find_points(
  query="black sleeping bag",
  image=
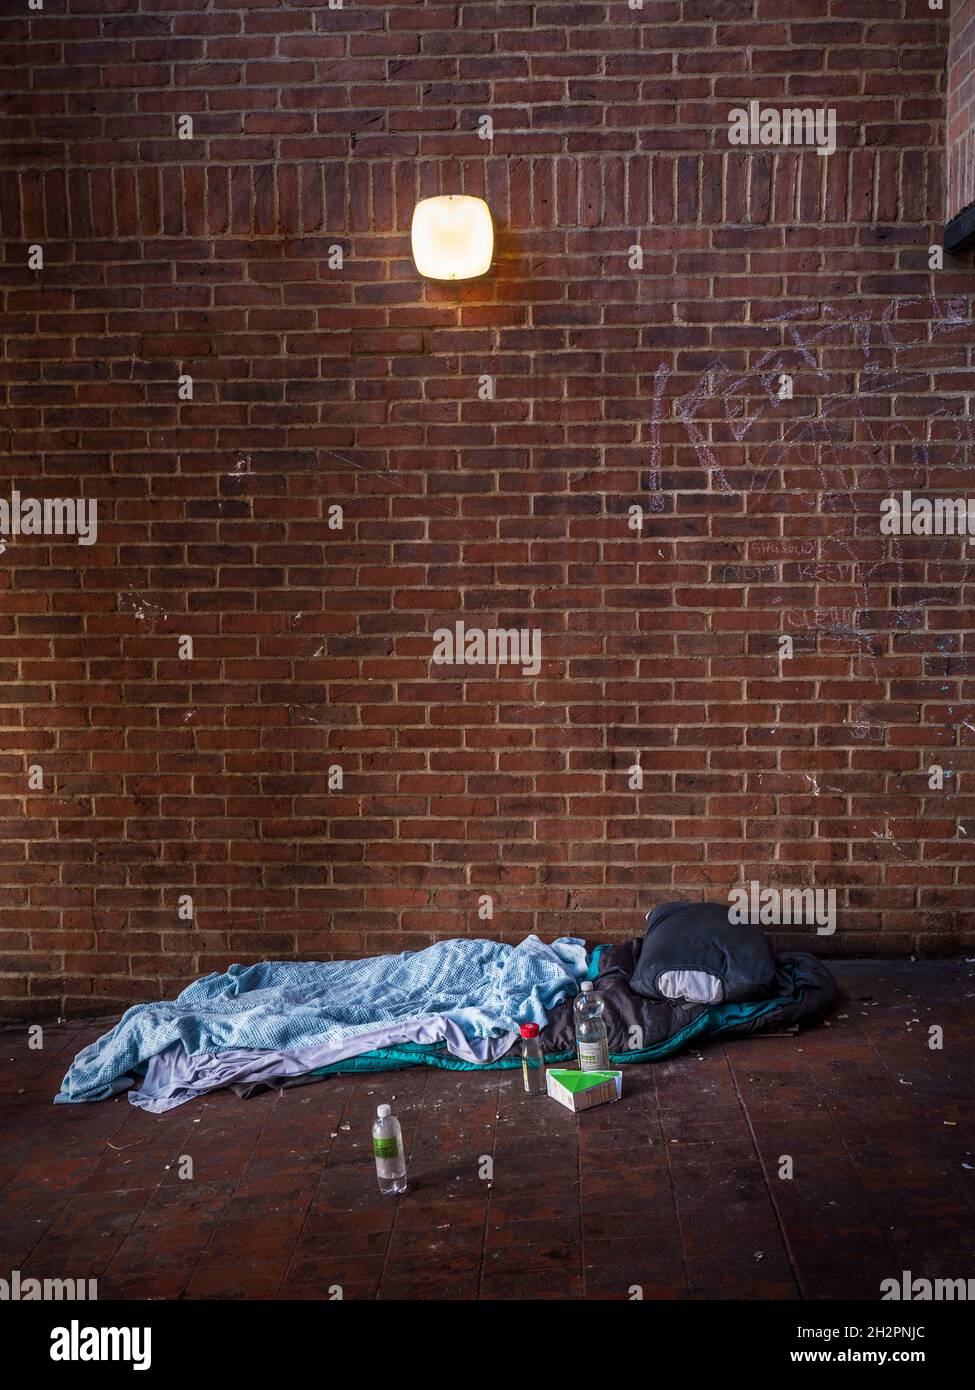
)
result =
(761, 992)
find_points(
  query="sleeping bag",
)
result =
(791, 991)
(457, 1005)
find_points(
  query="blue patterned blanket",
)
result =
(486, 987)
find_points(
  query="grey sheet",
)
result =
(174, 1076)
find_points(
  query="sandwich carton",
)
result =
(581, 1090)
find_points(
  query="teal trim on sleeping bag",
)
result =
(423, 1055)
(714, 1022)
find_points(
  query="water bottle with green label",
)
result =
(387, 1148)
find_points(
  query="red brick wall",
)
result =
(961, 107)
(358, 387)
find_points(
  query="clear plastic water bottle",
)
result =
(592, 1040)
(532, 1060)
(387, 1148)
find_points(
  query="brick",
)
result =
(614, 387)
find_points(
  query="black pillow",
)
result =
(693, 953)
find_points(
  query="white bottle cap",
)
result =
(586, 986)
(383, 1110)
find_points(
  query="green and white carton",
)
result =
(581, 1090)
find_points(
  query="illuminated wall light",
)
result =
(452, 237)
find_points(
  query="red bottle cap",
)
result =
(529, 1030)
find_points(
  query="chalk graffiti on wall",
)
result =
(840, 426)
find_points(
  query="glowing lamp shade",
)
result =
(452, 237)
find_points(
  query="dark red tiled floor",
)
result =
(675, 1189)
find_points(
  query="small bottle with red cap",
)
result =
(532, 1060)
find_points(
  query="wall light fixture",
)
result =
(452, 237)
